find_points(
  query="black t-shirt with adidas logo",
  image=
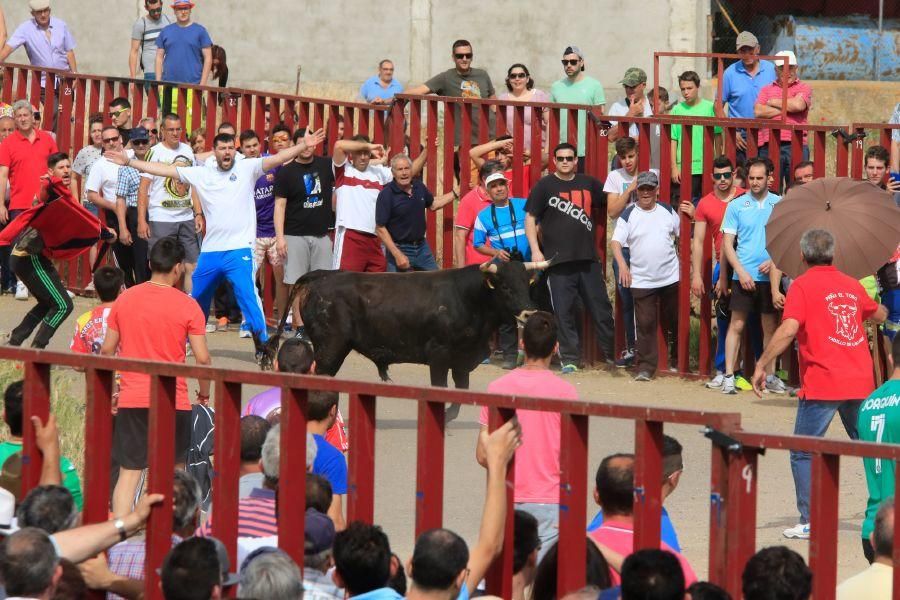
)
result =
(565, 212)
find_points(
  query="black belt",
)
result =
(417, 242)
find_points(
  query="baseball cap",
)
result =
(634, 76)
(182, 4)
(792, 59)
(494, 177)
(745, 39)
(228, 579)
(647, 179)
(38, 4)
(7, 512)
(318, 531)
(573, 50)
(139, 133)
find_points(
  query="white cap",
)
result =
(7, 512)
(36, 5)
(495, 177)
(792, 60)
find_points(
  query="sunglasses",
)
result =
(726, 175)
(116, 113)
(139, 142)
(462, 55)
(570, 61)
(565, 158)
(518, 75)
(153, 131)
(110, 140)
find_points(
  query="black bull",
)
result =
(443, 319)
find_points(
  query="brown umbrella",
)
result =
(863, 219)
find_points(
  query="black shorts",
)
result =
(129, 447)
(757, 301)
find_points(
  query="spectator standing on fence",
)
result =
(381, 88)
(692, 106)
(634, 104)
(708, 217)
(537, 486)
(152, 321)
(183, 52)
(755, 282)
(650, 230)
(47, 40)
(127, 186)
(358, 179)
(879, 421)
(563, 203)
(876, 582)
(23, 161)
(520, 88)
(769, 106)
(167, 207)
(144, 32)
(825, 311)
(120, 116)
(303, 215)
(477, 199)
(400, 217)
(462, 81)
(576, 88)
(742, 83)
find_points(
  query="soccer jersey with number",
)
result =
(879, 421)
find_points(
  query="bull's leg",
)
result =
(438, 375)
(461, 378)
(330, 356)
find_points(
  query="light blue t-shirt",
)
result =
(503, 233)
(586, 91)
(183, 61)
(746, 218)
(371, 89)
(739, 89)
(666, 529)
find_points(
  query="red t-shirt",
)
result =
(711, 210)
(27, 162)
(469, 207)
(524, 180)
(90, 331)
(153, 322)
(835, 363)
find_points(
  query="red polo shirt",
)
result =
(835, 362)
(27, 162)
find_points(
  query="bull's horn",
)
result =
(489, 267)
(536, 266)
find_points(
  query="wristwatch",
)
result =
(120, 527)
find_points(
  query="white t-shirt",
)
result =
(103, 177)
(355, 193)
(211, 160)
(618, 181)
(650, 235)
(620, 109)
(228, 203)
(170, 200)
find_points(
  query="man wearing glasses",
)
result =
(562, 203)
(143, 40)
(576, 88)
(120, 115)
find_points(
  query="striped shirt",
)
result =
(355, 194)
(128, 559)
(256, 516)
(127, 185)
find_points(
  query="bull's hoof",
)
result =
(451, 413)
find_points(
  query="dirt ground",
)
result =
(688, 506)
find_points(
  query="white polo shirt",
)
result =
(650, 235)
(103, 177)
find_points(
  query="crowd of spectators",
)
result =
(362, 208)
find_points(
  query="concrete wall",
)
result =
(337, 44)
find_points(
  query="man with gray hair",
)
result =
(257, 514)
(29, 565)
(825, 310)
(318, 558)
(876, 582)
(271, 574)
(400, 217)
(50, 508)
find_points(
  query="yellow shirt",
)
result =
(875, 583)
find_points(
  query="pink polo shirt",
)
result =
(774, 90)
(618, 536)
(469, 207)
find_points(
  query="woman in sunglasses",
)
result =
(521, 88)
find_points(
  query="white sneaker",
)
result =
(21, 291)
(728, 384)
(70, 293)
(775, 385)
(797, 532)
(210, 328)
(716, 382)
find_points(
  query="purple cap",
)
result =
(319, 532)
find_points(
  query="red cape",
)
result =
(67, 228)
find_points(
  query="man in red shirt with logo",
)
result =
(826, 311)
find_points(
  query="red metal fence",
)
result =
(428, 123)
(733, 466)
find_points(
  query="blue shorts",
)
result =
(891, 301)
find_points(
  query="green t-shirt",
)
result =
(586, 91)
(67, 469)
(879, 421)
(703, 108)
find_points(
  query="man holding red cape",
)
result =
(57, 227)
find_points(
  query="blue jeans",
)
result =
(785, 160)
(419, 255)
(627, 301)
(813, 418)
(237, 267)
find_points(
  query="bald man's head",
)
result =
(615, 484)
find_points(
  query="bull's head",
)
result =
(509, 282)
(266, 351)
(845, 323)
